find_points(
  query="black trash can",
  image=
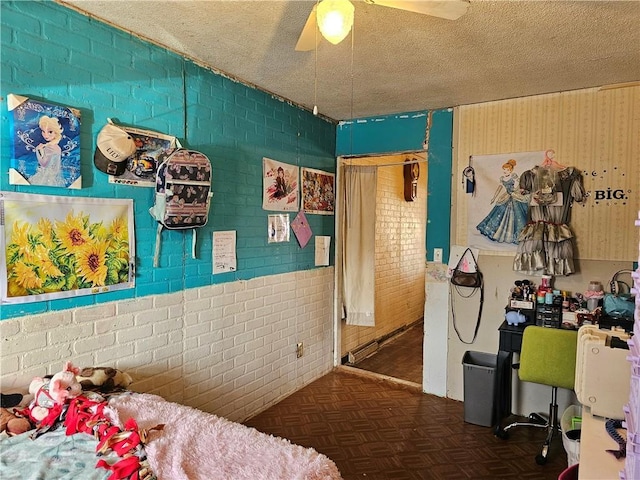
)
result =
(479, 387)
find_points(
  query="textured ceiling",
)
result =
(400, 61)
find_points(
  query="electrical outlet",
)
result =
(437, 255)
(299, 349)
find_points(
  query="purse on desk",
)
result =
(617, 303)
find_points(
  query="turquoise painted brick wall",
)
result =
(439, 193)
(407, 132)
(382, 134)
(55, 54)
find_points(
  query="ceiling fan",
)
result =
(323, 9)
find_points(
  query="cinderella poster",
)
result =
(45, 143)
(497, 211)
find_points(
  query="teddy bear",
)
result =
(49, 394)
(12, 424)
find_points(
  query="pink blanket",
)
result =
(196, 445)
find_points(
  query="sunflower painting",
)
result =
(56, 247)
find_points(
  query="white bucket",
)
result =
(572, 447)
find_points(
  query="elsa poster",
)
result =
(45, 142)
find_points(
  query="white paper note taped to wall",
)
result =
(322, 250)
(224, 252)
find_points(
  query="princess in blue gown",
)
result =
(49, 154)
(508, 216)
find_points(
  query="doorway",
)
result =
(398, 357)
(393, 347)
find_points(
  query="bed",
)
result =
(176, 442)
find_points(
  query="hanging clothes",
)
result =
(545, 245)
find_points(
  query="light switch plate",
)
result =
(437, 255)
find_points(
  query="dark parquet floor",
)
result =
(377, 429)
(399, 357)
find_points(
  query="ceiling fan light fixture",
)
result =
(335, 19)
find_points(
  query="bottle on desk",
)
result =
(543, 289)
(565, 301)
(594, 294)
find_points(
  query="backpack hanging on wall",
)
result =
(183, 193)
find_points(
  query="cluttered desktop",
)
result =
(546, 306)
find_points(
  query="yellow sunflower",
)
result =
(99, 231)
(14, 289)
(72, 233)
(91, 261)
(20, 237)
(46, 228)
(26, 277)
(47, 267)
(119, 229)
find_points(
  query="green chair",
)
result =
(548, 357)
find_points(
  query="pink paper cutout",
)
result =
(301, 229)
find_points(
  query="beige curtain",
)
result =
(358, 244)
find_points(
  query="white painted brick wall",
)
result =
(227, 349)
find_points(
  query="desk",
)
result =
(595, 462)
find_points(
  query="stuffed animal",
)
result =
(12, 424)
(103, 379)
(514, 317)
(53, 392)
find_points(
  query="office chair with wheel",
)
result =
(548, 357)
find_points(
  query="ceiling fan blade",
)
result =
(308, 37)
(448, 9)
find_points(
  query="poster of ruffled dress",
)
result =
(280, 186)
(45, 143)
(59, 247)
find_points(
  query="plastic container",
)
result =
(571, 433)
(570, 473)
(594, 286)
(632, 462)
(479, 387)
